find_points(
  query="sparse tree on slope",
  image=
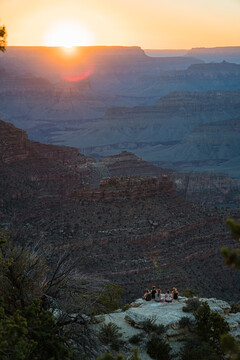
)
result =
(3, 36)
(232, 256)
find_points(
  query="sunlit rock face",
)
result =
(167, 314)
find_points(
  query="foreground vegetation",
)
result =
(47, 312)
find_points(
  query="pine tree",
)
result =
(3, 36)
(232, 256)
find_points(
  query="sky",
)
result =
(151, 24)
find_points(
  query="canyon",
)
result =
(140, 197)
(206, 188)
(183, 130)
(133, 231)
(176, 112)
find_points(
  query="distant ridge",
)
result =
(219, 53)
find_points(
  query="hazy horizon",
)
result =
(152, 25)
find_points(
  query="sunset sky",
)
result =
(156, 24)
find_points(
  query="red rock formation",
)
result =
(125, 188)
(206, 188)
(127, 163)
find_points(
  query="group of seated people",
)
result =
(156, 295)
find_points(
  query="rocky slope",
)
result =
(130, 230)
(41, 107)
(207, 188)
(49, 90)
(136, 238)
(173, 133)
(198, 77)
(208, 146)
(36, 175)
(127, 163)
(131, 323)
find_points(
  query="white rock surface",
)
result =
(167, 314)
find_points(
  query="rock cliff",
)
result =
(208, 146)
(162, 134)
(207, 188)
(48, 92)
(132, 231)
(125, 188)
(198, 77)
(31, 172)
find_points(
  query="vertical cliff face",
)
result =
(207, 188)
(126, 188)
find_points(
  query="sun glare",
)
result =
(67, 34)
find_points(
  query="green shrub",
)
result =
(30, 333)
(189, 293)
(185, 322)
(131, 322)
(158, 349)
(232, 256)
(109, 356)
(191, 305)
(108, 300)
(136, 339)
(109, 334)
(235, 308)
(230, 346)
(149, 326)
(126, 307)
(210, 325)
(135, 355)
(197, 350)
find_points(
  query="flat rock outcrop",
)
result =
(132, 320)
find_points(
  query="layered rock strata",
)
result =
(147, 235)
(125, 188)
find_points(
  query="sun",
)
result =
(67, 34)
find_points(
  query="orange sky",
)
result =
(159, 24)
